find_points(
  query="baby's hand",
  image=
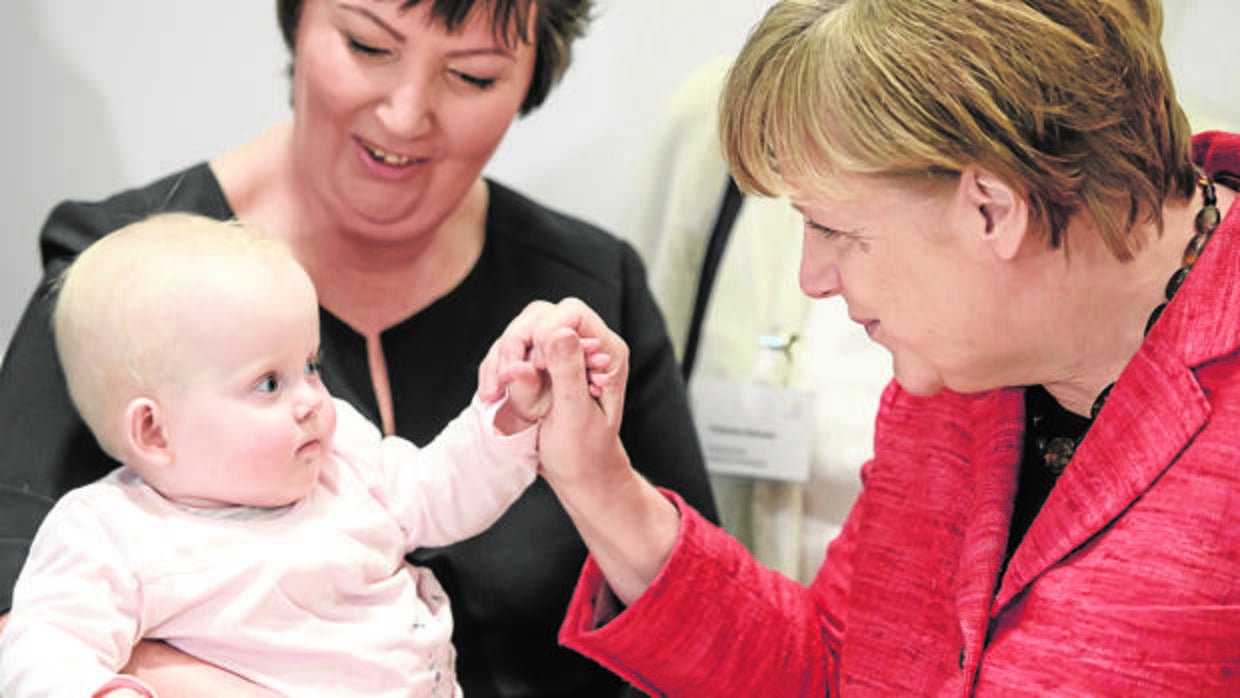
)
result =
(529, 387)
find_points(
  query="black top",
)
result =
(1045, 419)
(509, 587)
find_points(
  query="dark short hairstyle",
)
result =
(559, 23)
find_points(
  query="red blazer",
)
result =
(1127, 583)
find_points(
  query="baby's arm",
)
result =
(453, 488)
(461, 482)
(75, 619)
(529, 390)
(75, 609)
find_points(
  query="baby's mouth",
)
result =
(308, 446)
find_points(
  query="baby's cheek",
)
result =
(328, 423)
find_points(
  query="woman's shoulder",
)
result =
(75, 224)
(1217, 151)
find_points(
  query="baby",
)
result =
(256, 523)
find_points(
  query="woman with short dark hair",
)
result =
(419, 263)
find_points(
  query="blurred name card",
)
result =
(754, 430)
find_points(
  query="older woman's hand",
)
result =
(516, 362)
(566, 340)
(628, 525)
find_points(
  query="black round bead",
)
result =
(1059, 453)
(1194, 248)
(1176, 280)
(1154, 317)
(1207, 219)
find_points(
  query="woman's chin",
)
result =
(921, 389)
(918, 379)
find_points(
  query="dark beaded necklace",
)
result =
(1057, 449)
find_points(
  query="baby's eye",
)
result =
(268, 384)
(314, 367)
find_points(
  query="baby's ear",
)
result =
(145, 436)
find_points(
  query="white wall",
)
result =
(99, 96)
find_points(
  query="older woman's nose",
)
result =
(820, 274)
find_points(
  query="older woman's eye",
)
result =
(268, 384)
(822, 230)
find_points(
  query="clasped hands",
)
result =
(567, 370)
(628, 525)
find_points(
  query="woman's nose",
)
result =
(407, 111)
(820, 274)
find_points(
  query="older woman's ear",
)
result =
(1002, 214)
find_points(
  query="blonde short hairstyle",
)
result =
(113, 329)
(1068, 101)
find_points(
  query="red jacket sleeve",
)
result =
(715, 622)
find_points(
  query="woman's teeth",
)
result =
(387, 158)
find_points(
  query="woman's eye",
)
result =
(821, 230)
(269, 384)
(365, 49)
(480, 83)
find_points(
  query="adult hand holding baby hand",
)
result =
(516, 364)
(628, 525)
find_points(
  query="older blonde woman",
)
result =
(1006, 196)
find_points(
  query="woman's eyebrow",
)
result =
(485, 51)
(374, 18)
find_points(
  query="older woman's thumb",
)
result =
(566, 364)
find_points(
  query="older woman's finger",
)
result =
(573, 314)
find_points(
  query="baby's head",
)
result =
(190, 348)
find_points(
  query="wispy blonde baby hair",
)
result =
(113, 328)
(1068, 101)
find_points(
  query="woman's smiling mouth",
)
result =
(387, 158)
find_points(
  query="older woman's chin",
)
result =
(924, 378)
(920, 388)
(917, 377)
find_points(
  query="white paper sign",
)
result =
(754, 430)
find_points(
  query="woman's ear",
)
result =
(145, 435)
(1003, 212)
